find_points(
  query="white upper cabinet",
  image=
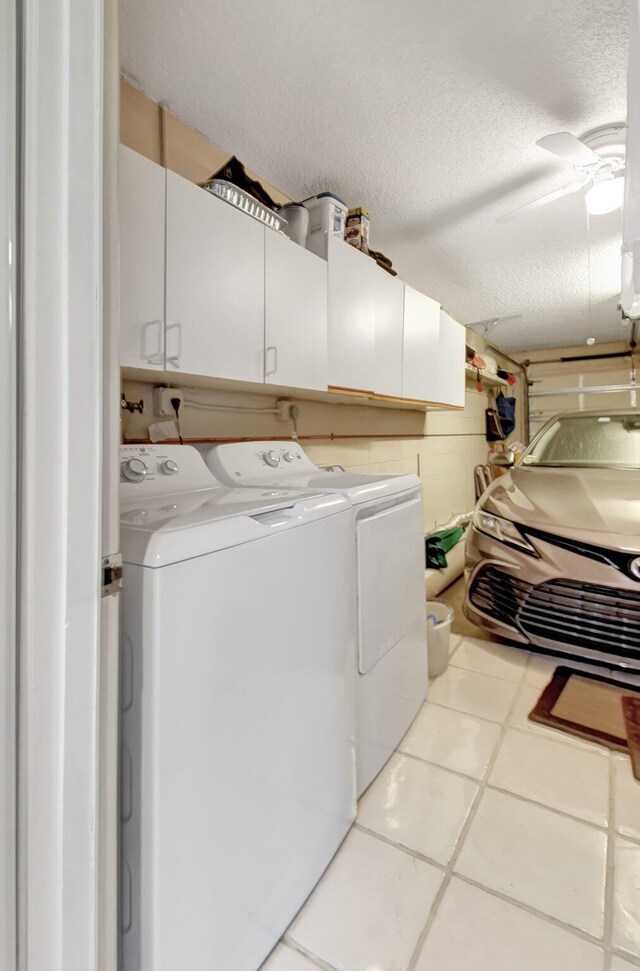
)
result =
(422, 358)
(214, 286)
(352, 322)
(451, 375)
(387, 294)
(207, 290)
(295, 315)
(141, 191)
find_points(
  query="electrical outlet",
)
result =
(162, 400)
(284, 409)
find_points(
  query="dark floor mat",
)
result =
(589, 706)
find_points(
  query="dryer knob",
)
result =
(272, 459)
(169, 467)
(287, 456)
(134, 470)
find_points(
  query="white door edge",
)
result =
(60, 485)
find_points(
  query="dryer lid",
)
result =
(287, 465)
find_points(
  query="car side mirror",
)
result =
(502, 460)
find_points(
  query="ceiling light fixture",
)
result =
(605, 196)
(598, 159)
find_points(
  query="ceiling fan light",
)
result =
(605, 196)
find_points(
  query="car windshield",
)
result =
(589, 440)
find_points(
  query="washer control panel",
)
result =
(271, 458)
(154, 470)
(252, 461)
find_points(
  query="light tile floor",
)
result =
(487, 843)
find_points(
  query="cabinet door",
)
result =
(141, 205)
(215, 285)
(295, 315)
(387, 294)
(451, 351)
(352, 325)
(421, 360)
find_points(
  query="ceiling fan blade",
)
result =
(566, 146)
(543, 201)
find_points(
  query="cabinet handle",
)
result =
(174, 359)
(156, 356)
(273, 370)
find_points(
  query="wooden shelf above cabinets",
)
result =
(392, 400)
(490, 379)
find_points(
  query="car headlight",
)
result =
(502, 529)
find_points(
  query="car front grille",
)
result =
(602, 554)
(564, 611)
(498, 594)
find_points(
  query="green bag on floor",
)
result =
(437, 545)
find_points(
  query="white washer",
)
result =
(389, 531)
(238, 779)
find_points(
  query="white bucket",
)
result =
(297, 217)
(439, 618)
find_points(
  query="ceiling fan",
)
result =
(598, 160)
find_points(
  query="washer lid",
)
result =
(166, 529)
(286, 464)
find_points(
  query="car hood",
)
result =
(580, 503)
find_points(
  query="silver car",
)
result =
(553, 552)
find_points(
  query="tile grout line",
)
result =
(436, 765)
(460, 711)
(564, 738)
(422, 937)
(528, 909)
(541, 731)
(632, 960)
(415, 854)
(601, 827)
(498, 894)
(298, 949)
(484, 674)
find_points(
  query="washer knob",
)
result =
(272, 459)
(169, 467)
(134, 470)
(287, 456)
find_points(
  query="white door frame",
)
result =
(109, 639)
(60, 484)
(8, 483)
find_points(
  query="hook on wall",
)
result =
(131, 406)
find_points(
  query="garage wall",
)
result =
(442, 447)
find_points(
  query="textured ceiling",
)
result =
(427, 113)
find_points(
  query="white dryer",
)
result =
(238, 779)
(389, 544)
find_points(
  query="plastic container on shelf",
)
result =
(327, 214)
(297, 217)
(439, 618)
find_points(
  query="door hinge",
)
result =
(111, 574)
